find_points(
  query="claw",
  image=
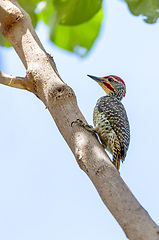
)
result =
(77, 121)
(72, 123)
(82, 124)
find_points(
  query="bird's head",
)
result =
(112, 85)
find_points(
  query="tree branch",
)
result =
(44, 81)
(12, 81)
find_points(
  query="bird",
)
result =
(110, 118)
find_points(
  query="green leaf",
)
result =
(46, 12)
(74, 12)
(147, 8)
(84, 17)
(78, 39)
(30, 6)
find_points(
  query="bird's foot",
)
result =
(82, 124)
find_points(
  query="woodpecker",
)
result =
(110, 119)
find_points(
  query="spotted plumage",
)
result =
(110, 118)
(112, 126)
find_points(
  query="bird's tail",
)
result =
(116, 157)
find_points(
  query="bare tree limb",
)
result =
(12, 81)
(44, 81)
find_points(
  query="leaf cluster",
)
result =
(74, 25)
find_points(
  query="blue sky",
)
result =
(44, 194)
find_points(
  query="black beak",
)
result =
(97, 79)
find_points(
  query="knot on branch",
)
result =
(61, 92)
(9, 15)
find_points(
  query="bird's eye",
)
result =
(110, 79)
